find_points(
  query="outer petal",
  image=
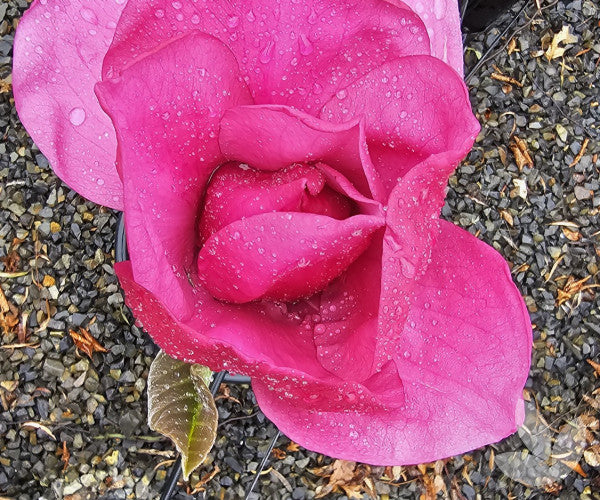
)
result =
(273, 342)
(466, 354)
(271, 137)
(414, 107)
(167, 123)
(296, 53)
(442, 19)
(282, 255)
(58, 54)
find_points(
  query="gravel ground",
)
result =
(530, 188)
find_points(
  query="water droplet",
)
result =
(159, 13)
(407, 267)
(233, 21)
(77, 116)
(250, 16)
(341, 94)
(176, 5)
(89, 15)
(306, 46)
(267, 53)
(439, 8)
(195, 19)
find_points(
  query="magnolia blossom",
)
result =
(282, 165)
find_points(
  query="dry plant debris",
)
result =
(84, 341)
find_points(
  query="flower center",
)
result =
(237, 191)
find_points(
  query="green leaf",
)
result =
(181, 407)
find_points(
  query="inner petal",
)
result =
(237, 191)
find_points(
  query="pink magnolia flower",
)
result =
(282, 165)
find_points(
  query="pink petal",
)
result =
(273, 342)
(296, 53)
(282, 255)
(414, 107)
(236, 191)
(271, 137)
(346, 331)
(442, 19)
(58, 52)
(167, 123)
(465, 358)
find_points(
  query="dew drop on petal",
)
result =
(89, 15)
(306, 46)
(77, 116)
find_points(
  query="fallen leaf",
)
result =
(595, 366)
(592, 455)
(505, 214)
(571, 235)
(65, 455)
(512, 46)
(292, 447)
(38, 427)
(84, 341)
(279, 454)
(506, 79)
(521, 153)
(574, 466)
(198, 487)
(564, 36)
(577, 159)
(520, 189)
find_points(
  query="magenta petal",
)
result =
(272, 137)
(346, 331)
(291, 52)
(167, 123)
(58, 53)
(442, 19)
(464, 359)
(269, 341)
(281, 255)
(237, 191)
(414, 107)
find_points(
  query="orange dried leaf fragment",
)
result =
(84, 341)
(521, 153)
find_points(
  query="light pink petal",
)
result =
(236, 191)
(58, 52)
(296, 53)
(442, 19)
(271, 137)
(414, 107)
(464, 359)
(167, 123)
(283, 255)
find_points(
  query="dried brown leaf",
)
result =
(84, 341)
(565, 37)
(505, 214)
(521, 153)
(571, 235)
(595, 366)
(38, 427)
(577, 159)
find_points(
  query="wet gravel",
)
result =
(542, 215)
